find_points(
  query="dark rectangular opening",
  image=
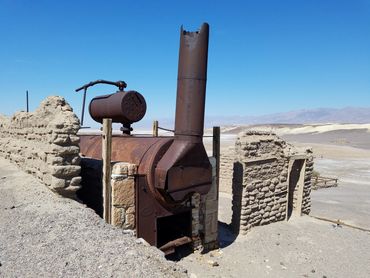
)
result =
(173, 227)
(91, 192)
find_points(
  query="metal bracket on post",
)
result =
(106, 156)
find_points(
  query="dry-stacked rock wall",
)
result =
(44, 143)
(260, 185)
(271, 180)
(306, 202)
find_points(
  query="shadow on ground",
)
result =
(225, 234)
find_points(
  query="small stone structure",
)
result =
(204, 208)
(44, 143)
(271, 180)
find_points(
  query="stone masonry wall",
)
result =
(261, 180)
(44, 143)
(123, 195)
(306, 202)
(261, 196)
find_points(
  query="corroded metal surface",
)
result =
(122, 107)
(191, 83)
(170, 169)
(185, 167)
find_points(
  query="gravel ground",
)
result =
(44, 235)
(301, 247)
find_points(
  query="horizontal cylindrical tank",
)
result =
(122, 107)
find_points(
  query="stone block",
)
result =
(63, 150)
(275, 181)
(75, 181)
(250, 187)
(129, 221)
(118, 216)
(57, 183)
(65, 171)
(260, 195)
(123, 192)
(246, 211)
(120, 168)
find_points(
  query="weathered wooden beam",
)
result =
(155, 128)
(106, 156)
(216, 153)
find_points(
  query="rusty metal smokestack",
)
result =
(191, 84)
(185, 168)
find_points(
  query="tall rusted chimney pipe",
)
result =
(191, 84)
(185, 168)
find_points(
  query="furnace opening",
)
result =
(173, 227)
(91, 192)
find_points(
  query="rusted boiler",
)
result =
(170, 169)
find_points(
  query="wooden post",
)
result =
(106, 156)
(27, 106)
(300, 184)
(216, 153)
(155, 128)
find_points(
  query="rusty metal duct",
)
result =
(191, 83)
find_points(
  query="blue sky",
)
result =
(264, 56)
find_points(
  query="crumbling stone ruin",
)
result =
(271, 180)
(44, 143)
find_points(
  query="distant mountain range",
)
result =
(320, 115)
(351, 115)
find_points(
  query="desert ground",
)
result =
(305, 246)
(43, 235)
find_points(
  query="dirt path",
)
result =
(43, 235)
